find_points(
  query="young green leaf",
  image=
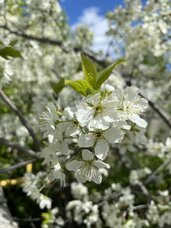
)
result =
(57, 87)
(89, 70)
(80, 86)
(7, 52)
(104, 74)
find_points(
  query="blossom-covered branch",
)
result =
(8, 102)
(31, 37)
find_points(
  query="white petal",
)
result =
(122, 125)
(93, 100)
(80, 176)
(131, 93)
(86, 140)
(119, 94)
(84, 115)
(110, 116)
(100, 165)
(143, 103)
(101, 149)
(98, 123)
(139, 121)
(74, 165)
(72, 130)
(69, 112)
(87, 155)
(114, 135)
(97, 178)
(64, 148)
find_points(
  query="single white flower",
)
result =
(78, 190)
(101, 139)
(97, 112)
(88, 169)
(131, 105)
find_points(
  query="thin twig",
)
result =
(158, 111)
(8, 102)
(155, 172)
(31, 37)
(16, 166)
(27, 219)
(139, 207)
(112, 196)
(18, 147)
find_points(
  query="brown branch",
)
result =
(31, 37)
(18, 147)
(158, 111)
(58, 43)
(8, 102)
(16, 166)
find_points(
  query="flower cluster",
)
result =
(102, 134)
(32, 185)
(81, 136)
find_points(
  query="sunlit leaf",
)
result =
(89, 70)
(57, 87)
(104, 74)
(81, 86)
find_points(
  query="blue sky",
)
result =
(75, 8)
(91, 13)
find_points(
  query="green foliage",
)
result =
(81, 86)
(9, 51)
(104, 74)
(93, 80)
(57, 87)
(46, 217)
(89, 70)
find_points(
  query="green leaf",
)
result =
(7, 52)
(89, 70)
(81, 86)
(57, 87)
(47, 216)
(104, 74)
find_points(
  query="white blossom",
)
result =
(78, 190)
(101, 139)
(131, 106)
(97, 112)
(88, 169)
